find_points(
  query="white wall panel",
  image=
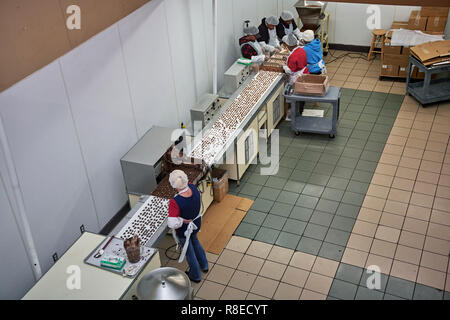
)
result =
(146, 51)
(179, 35)
(227, 54)
(16, 276)
(97, 86)
(47, 158)
(402, 13)
(243, 10)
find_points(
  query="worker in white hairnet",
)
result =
(314, 54)
(250, 46)
(296, 65)
(268, 32)
(185, 219)
(287, 25)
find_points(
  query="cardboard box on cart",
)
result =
(311, 84)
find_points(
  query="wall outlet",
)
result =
(55, 257)
(82, 228)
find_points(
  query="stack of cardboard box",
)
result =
(395, 58)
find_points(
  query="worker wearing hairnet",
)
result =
(313, 48)
(297, 62)
(250, 47)
(185, 219)
(287, 25)
(268, 32)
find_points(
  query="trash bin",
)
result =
(220, 184)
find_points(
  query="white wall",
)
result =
(69, 123)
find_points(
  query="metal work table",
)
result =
(245, 123)
(319, 125)
(428, 91)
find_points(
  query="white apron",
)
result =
(273, 38)
(294, 75)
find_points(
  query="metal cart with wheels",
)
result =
(321, 125)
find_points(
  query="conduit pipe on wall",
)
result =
(214, 20)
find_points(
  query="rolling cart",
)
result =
(320, 125)
(428, 91)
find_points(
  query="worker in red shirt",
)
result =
(251, 47)
(297, 61)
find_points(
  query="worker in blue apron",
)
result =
(185, 221)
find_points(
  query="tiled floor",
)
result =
(377, 194)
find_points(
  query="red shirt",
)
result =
(297, 60)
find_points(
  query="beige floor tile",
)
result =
(413, 153)
(403, 184)
(383, 248)
(355, 257)
(439, 231)
(251, 264)
(396, 90)
(433, 156)
(386, 169)
(252, 296)
(311, 295)
(359, 242)
(399, 141)
(417, 212)
(401, 132)
(259, 249)
(393, 149)
(366, 87)
(425, 117)
(238, 244)
(302, 260)
(211, 257)
(340, 76)
(436, 146)
(403, 123)
(428, 177)
(431, 166)
(438, 137)
(242, 280)
(358, 73)
(233, 294)
(434, 261)
(390, 159)
(272, 270)
(287, 292)
(408, 254)
(421, 125)
(337, 83)
(351, 85)
(210, 290)
(318, 283)
(365, 228)
(416, 134)
(383, 263)
(411, 163)
(264, 287)
(416, 143)
(440, 217)
(353, 78)
(197, 286)
(374, 203)
(422, 200)
(220, 274)
(382, 180)
(407, 115)
(411, 239)
(432, 278)
(395, 207)
(391, 220)
(442, 204)
(369, 215)
(404, 270)
(369, 81)
(406, 173)
(295, 276)
(230, 258)
(399, 195)
(447, 283)
(415, 225)
(425, 188)
(387, 234)
(443, 192)
(378, 191)
(325, 267)
(280, 254)
(384, 89)
(444, 179)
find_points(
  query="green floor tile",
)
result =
(325, 169)
(307, 201)
(251, 189)
(368, 280)
(315, 231)
(275, 182)
(294, 186)
(262, 205)
(341, 172)
(247, 230)
(311, 156)
(321, 218)
(288, 162)
(338, 182)
(370, 156)
(308, 245)
(313, 190)
(267, 235)
(288, 197)
(422, 292)
(331, 251)
(294, 226)
(254, 217)
(305, 165)
(348, 210)
(366, 294)
(374, 146)
(400, 287)
(319, 179)
(329, 159)
(349, 273)
(281, 209)
(351, 152)
(343, 223)
(364, 126)
(338, 237)
(301, 213)
(362, 176)
(288, 240)
(300, 175)
(257, 179)
(332, 194)
(347, 162)
(274, 221)
(269, 193)
(327, 206)
(353, 198)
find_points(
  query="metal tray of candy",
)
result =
(115, 249)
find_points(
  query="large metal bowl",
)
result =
(165, 284)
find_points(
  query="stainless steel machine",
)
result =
(234, 77)
(207, 107)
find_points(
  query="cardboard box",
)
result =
(406, 51)
(434, 12)
(436, 24)
(416, 21)
(402, 71)
(220, 184)
(388, 49)
(389, 70)
(432, 52)
(311, 84)
(395, 59)
(400, 25)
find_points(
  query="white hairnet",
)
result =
(287, 15)
(251, 30)
(308, 35)
(272, 20)
(178, 179)
(290, 40)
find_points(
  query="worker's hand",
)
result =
(277, 50)
(187, 221)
